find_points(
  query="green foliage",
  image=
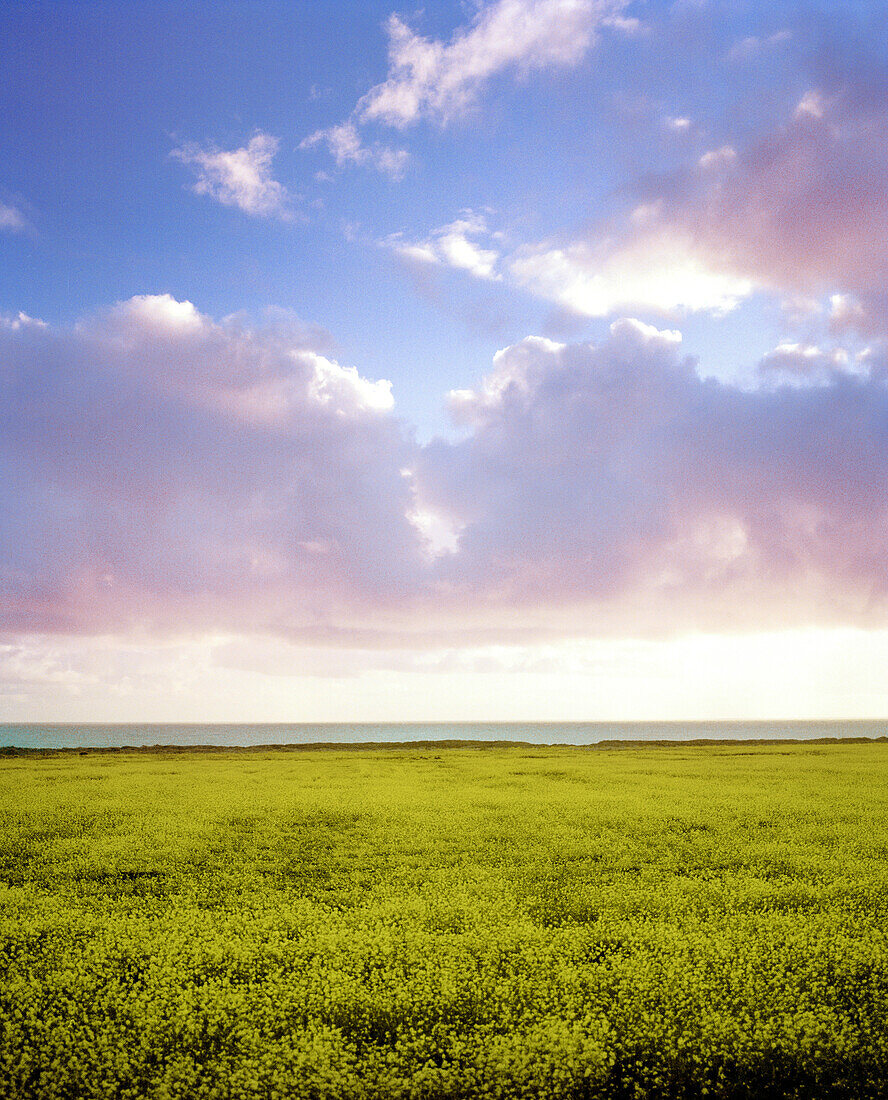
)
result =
(516, 922)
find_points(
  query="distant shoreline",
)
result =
(11, 751)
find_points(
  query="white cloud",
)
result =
(651, 268)
(347, 147)
(259, 378)
(20, 321)
(627, 25)
(160, 312)
(454, 245)
(11, 219)
(802, 364)
(718, 158)
(430, 79)
(345, 389)
(811, 105)
(752, 46)
(239, 177)
(659, 271)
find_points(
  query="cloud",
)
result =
(11, 219)
(21, 320)
(428, 79)
(28, 667)
(718, 158)
(677, 125)
(431, 80)
(611, 488)
(345, 144)
(239, 177)
(792, 212)
(171, 476)
(755, 45)
(804, 363)
(454, 245)
(628, 25)
(167, 472)
(658, 270)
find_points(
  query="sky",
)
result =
(501, 360)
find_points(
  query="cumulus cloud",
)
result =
(793, 212)
(654, 270)
(609, 487)
(239, 177)
(659, 270)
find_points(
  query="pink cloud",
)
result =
(165, 473)
(611, 488)
(796, 211)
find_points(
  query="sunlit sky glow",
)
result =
(516, 359)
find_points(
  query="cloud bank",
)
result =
(166, 473)
(613, 487)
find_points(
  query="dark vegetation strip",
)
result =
(451, 743)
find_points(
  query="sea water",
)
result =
(83, 736)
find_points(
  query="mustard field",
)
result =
(672, 921)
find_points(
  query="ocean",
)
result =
(83, 736)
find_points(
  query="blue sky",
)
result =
(226, 228)
(99, 94)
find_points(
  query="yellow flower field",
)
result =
(509, 921)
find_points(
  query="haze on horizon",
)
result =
(519, 359)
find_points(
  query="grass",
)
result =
(513, 921)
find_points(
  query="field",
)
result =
(446, 921)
